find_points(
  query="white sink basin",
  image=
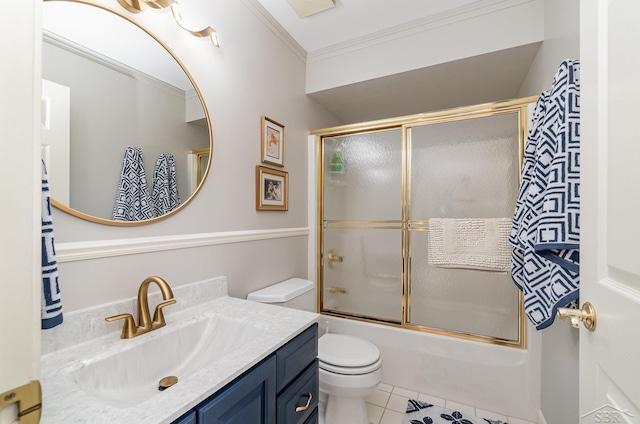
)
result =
(128, 374)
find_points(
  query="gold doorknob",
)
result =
(586, 315)
(333, 258)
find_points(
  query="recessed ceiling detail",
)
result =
(306, 8)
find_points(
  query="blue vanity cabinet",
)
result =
(298, 378)
(296, 355)
(248, 399)
(313, 418)
(299, 400)
(188, 418)
(282, 389)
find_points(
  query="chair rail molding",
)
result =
(86, 250)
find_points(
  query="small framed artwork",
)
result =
(272, 143)
(272, 189)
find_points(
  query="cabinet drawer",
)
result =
(296, 355)
(302, 395)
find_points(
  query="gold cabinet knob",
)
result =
(586, 315)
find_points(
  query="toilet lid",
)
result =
(339, 353)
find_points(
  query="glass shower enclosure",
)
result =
(379, 185)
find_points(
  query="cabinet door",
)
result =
(249, 399)
(188, 418)
(313, 419)
(296, 355)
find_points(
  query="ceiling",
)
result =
(480, 79)
(351, 19)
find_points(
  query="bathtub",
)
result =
(500, 379)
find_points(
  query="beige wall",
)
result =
(559, 379)
(253, 74)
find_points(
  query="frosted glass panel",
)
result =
(363, 176)
(368, 281)
(466, 301)
(464, 169)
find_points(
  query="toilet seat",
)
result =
(350, 370)
(343, 354)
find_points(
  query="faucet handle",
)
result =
(158, 315)
(129, 327)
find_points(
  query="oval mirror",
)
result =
(117, 101)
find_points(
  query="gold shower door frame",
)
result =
(406, 224)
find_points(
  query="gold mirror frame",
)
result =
(105, 221)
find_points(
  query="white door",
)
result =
(610, 244)
(56, 138)
(20, 37)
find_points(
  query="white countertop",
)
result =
(64, 401)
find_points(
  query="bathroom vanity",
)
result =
(282, 389)
(247, 361)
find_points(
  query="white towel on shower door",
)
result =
(470, 243)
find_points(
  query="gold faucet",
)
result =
(145, 324)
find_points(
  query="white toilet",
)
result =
(350, 367)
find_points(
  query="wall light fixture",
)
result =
(136, 6)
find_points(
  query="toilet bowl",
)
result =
(350, 367)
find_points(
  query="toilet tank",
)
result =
(295, 293)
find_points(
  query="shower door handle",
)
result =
(333, 258)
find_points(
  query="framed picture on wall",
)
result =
(272, 143)
(272, 189)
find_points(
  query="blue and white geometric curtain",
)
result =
(546, 224)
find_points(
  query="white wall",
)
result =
(444, 39)
(253, 74)
(561, 41)
(559, 388)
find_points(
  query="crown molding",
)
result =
(275, 27)
(79, 50)
(414, 27)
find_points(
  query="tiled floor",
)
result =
(387, 405)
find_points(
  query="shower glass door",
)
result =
(362, 225)
(465, 168)
(388, 188)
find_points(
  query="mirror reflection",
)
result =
(119, 113)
